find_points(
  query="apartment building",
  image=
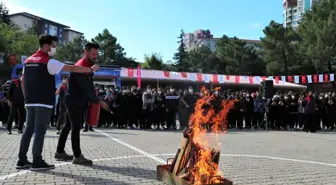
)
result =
(44, 26)
(69, 35)
(204, 38)
(294, 10)
(199, 38)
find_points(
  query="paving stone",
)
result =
(248, 157)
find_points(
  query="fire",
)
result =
(210, 112)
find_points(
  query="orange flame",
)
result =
(210, 112)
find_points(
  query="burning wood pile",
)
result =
(197, 160)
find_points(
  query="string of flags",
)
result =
(219, 78)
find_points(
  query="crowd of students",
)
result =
(159, 108)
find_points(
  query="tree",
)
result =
(25, 44)
(253, 62)
(13, 41)
(4, 14)
(317, 30)
(119, 52)
(279, 46)
(110, 51)
(181, 56)
(199, 59)
(153, 61)
(71, 51)
(5, 34)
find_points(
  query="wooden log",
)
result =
(188, 156)
(185, 158)
(180, 155)
(183, 175)
(171, 168)
(191, 162)
(215, 157)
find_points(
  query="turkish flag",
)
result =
(184, 75)
(289, 79)
(199, 77)
(166, 74)
(130, 72)
(237, 78)
(303, 79)
(227, 77)
(215, 78)
(250, 79)
(263, 78)
(277, 79)
(326, 77)
(315, 78)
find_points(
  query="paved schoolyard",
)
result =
(131, 156)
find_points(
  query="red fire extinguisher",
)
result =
(93, 114)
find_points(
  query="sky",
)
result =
(152, 26)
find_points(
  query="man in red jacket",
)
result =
(79, 93)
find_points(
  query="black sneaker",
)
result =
(58, 132)
(85, 130)
(63, 156)
(23, 165)
(20, 131)
(41, 166)
(9, 132)
(91, 129)
(81, 160)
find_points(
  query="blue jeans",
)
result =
(37, 123)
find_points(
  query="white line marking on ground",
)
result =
(280, 158)
(153, 156)
(267, 157)
(148, 155)
(172, 154)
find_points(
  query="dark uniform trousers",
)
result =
(61, 117)
(74, 120)
(12, 114)
(171, 118)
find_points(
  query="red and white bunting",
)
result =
(219, 78)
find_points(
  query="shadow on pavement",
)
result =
(83, 179)
(127, 171)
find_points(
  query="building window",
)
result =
(46, 26)
(52, 30)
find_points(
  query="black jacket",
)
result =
(80, 88)
(172, 101)
(15, 94)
